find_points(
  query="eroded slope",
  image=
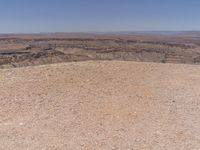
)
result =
(18, 52)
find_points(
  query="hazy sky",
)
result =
(98, 15)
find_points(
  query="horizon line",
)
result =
(120, 31)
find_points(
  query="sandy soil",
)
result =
(100, 105)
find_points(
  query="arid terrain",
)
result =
(104, 92)
(29, 50)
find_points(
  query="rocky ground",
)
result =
(100, 105)
(35, 50)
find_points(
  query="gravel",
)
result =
(105, 105)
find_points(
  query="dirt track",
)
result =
(100, 105)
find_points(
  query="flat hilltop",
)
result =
(100, 105)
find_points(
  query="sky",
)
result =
(35, 16)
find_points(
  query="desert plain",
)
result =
(105, 92)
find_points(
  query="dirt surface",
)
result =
(108, 105)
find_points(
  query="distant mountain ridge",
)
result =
(129, 33)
